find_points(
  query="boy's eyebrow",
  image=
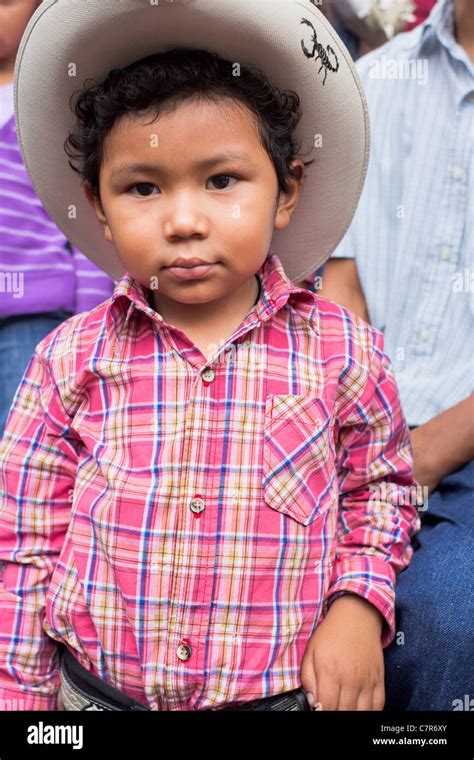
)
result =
(123, 169)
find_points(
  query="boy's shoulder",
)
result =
(354, 358)
(342, 329)
(76, 336)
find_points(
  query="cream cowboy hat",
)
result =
(289, 40)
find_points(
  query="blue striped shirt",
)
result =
(412, 233)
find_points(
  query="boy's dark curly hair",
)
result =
(174, 76)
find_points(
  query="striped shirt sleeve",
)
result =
(377, 509)
(38, 458)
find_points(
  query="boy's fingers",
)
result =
(308, 678)
(348, 698)
(327, 693)
(365, 700)
(378, 697)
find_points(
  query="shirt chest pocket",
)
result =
(299, 474)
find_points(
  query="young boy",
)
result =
(205, 477)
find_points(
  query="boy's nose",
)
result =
(185, 222)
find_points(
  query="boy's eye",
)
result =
(141, 185)
(219, 177)
(222, 181)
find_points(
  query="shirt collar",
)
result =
(276, 290)
(440, 24)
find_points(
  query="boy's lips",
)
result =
(192, 261)
(190, 271)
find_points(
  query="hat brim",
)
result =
(290, 40)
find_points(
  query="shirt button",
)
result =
(424, 335)
(208, 375)
(184, 652)
(458, 172)
(446, 254)
(196, 505)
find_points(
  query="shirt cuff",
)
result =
(351, 576)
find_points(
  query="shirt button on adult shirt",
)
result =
(184, 652)
(196, 504)
(458, 172)
(208, 375)
(424, 335)
(446, 254)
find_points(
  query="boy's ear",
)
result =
(287, 202)
(99, 211)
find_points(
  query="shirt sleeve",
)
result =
(93, 285)
(38, 458)
(378, 495)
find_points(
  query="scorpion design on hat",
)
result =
(323, 54)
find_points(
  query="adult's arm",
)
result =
(444, 443)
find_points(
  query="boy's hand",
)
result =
(343, 664)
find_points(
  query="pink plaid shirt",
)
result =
(183, 524)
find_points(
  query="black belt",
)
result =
(85, 691)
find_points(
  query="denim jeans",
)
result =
(432, 667)
(18, 338)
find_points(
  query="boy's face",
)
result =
(223, 213)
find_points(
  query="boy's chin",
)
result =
(190, 294)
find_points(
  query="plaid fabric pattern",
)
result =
(183, 524)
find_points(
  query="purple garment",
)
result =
(39, 269)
